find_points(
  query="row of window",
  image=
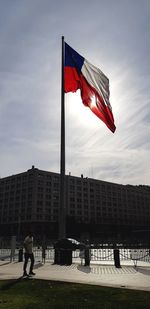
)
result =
(79, 218)
(105, 207)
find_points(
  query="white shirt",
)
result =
(28, 244)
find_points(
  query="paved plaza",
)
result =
(127, 276)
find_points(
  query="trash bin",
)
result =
(20, 255)
(63, 252)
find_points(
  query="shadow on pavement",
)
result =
(144, 271)
(84, 269)
(5, 263)
(38, 265)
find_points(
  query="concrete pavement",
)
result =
(127, 276)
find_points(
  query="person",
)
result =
(28, 246)
(43, 251)
(81, 254)
(87, 254)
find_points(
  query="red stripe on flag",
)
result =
(90, 96)
(95, 102)
(72, 80)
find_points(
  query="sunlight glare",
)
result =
(93, 101)
(77, 112)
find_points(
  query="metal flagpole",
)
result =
(62, 212)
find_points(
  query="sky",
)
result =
(113, 35)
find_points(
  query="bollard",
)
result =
(117, 258)
(13, 247)
(20, 255)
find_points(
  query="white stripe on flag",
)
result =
(96, 78)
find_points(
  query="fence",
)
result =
(101, 253)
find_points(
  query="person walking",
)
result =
(28, 246)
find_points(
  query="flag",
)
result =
(93, 85)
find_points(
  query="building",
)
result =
(94, 208)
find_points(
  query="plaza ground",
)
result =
(128, 276)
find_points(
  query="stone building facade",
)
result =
(94, 208)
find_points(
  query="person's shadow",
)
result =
(84, 269)
(38, 265)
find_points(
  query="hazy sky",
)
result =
(114, 35)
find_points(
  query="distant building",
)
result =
(94, 208)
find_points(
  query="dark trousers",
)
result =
(28, 256)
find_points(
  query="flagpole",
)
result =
(62, 210)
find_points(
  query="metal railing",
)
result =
(9, 250)
(97, 255)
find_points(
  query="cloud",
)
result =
(114, 36)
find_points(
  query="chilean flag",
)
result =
(93, 84)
